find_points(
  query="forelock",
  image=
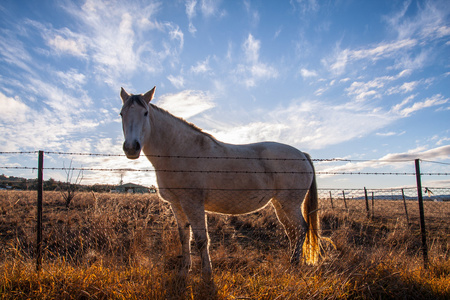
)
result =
(135, 99)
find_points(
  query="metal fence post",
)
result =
(345, 202)
(40, 190)
(367, 203)
(404, 204)
(331, 199)
(373, 206)
(422, 215)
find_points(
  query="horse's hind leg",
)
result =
(289, 213)
(185, 238)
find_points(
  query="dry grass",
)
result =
(126, 247)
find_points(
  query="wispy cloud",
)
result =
(404, 111)
(72, 79)
(429, 22)
(13, 52)
(187, 103)
(70, 46)
(190, 12)
(206, 8)
(307, 125)
(375, 88)
(201, 66)
(390, 133)
(115, 38)
(253, 70)
(391, 160)
(305, 73)
(177, 81)
(338, 63)
(13, 110)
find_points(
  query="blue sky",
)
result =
(361, 80)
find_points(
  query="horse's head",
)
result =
(135, 121)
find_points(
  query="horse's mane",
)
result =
(183, 121)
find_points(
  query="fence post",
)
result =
(40, 192)
(422, 216)
(406, 209)
(345, 202)
(331, 199)
(373, 206)
(367, 203)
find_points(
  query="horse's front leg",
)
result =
(185, 238)
(195, 213)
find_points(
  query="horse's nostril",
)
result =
(137, 146)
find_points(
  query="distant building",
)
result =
(134, 188)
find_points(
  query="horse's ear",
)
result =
(149, 95)
(124, 95)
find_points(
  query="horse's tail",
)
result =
(311, 246)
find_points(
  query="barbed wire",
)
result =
(18, 152)
(216, 157)
(435, 162)
(228, 172)
(222, 171)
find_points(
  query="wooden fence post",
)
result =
(40, 192)
(422, 216)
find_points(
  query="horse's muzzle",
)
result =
(132, 150)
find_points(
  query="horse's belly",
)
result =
(236, 202)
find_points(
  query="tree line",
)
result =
(19, 183)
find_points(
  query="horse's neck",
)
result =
(171, 137)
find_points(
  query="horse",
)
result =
(196, 173)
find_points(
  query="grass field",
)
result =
(122, 246)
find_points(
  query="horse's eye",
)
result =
(146, 113)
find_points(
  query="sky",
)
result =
(366, 81)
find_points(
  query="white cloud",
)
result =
(12, 51)
(187, 103)
(390, 133)
(190, 12)
(374, 88)
(338, 63)
(253, 69)
(201, 67)
(307, 125)
(177, 81)
(59, 100)
(428, 23)
(13, 110)
(438, 153)
(394, 160)
(72, 78)
(403, 111)
(308, 73)
(408, 87)
(251, 48)
(116, 38)
(209, 7)
(71, 46)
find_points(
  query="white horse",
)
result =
(197, 173)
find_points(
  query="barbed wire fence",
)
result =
(125, 228)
